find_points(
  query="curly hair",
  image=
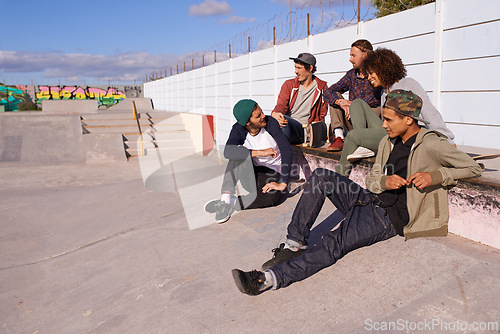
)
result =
(386, 64)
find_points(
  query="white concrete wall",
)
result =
(451, 47)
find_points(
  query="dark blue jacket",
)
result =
(235, 150)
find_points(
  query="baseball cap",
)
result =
(305, 58)
(406, 103)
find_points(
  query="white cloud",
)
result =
(237, 19)
(210, 8)
(67, 67)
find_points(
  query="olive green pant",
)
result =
(367, 132)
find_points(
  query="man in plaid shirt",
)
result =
(358, 87)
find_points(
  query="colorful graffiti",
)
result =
(12, 96)
(104, 97)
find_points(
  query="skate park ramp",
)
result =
(36, 138)
(142, 104)
(69, 106)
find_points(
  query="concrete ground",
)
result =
(87, 249)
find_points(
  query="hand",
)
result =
(395, 182)
(274, 186)
(421, 180)
(268, 152)
(280, 118)
(346, 106)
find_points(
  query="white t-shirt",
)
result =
(261, 141)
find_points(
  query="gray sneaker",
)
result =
(211, 206)
(223, 212)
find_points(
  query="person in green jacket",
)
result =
(406, 195)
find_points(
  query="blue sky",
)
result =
(96, 42)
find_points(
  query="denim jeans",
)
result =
(293, 131)
(365, 223)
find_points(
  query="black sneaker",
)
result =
(249, 282)
(223, 213)
(211, 206)
(281, 254)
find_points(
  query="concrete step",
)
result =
(129, 115)
(131, 122)
(149, 142)
(158, 135)
(172, 120)
(130, 128)
(177, 152)
(160, 114)
(162, 132)
(107, 116)
(174, 150)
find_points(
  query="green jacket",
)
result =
(428, 207)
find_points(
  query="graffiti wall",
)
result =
(104, 97)
(12, 96)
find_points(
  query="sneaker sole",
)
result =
(237, 279)
(223, 220)
(358, 157)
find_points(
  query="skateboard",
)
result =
(318, 134)
(331, 134)
(483, 157)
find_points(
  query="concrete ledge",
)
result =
(69, 106)
(201, 130)
(474, 204)
(40, 139)
(103, 147)
(141, 103)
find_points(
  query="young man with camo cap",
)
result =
(406, 195)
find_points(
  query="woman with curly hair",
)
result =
(384, 68)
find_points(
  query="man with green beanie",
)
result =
(260, 157)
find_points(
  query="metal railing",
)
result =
(136, 117)
(311, 18)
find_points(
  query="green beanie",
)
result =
(243, 110)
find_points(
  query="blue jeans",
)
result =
(293, 131)
(365, 223)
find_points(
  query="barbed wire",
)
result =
(311, 18)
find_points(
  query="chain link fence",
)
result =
(311, 18)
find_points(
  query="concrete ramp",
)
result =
(37, 138)
(100, 147)
(70, 106)
(141, 103)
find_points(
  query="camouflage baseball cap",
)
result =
(406, 103)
